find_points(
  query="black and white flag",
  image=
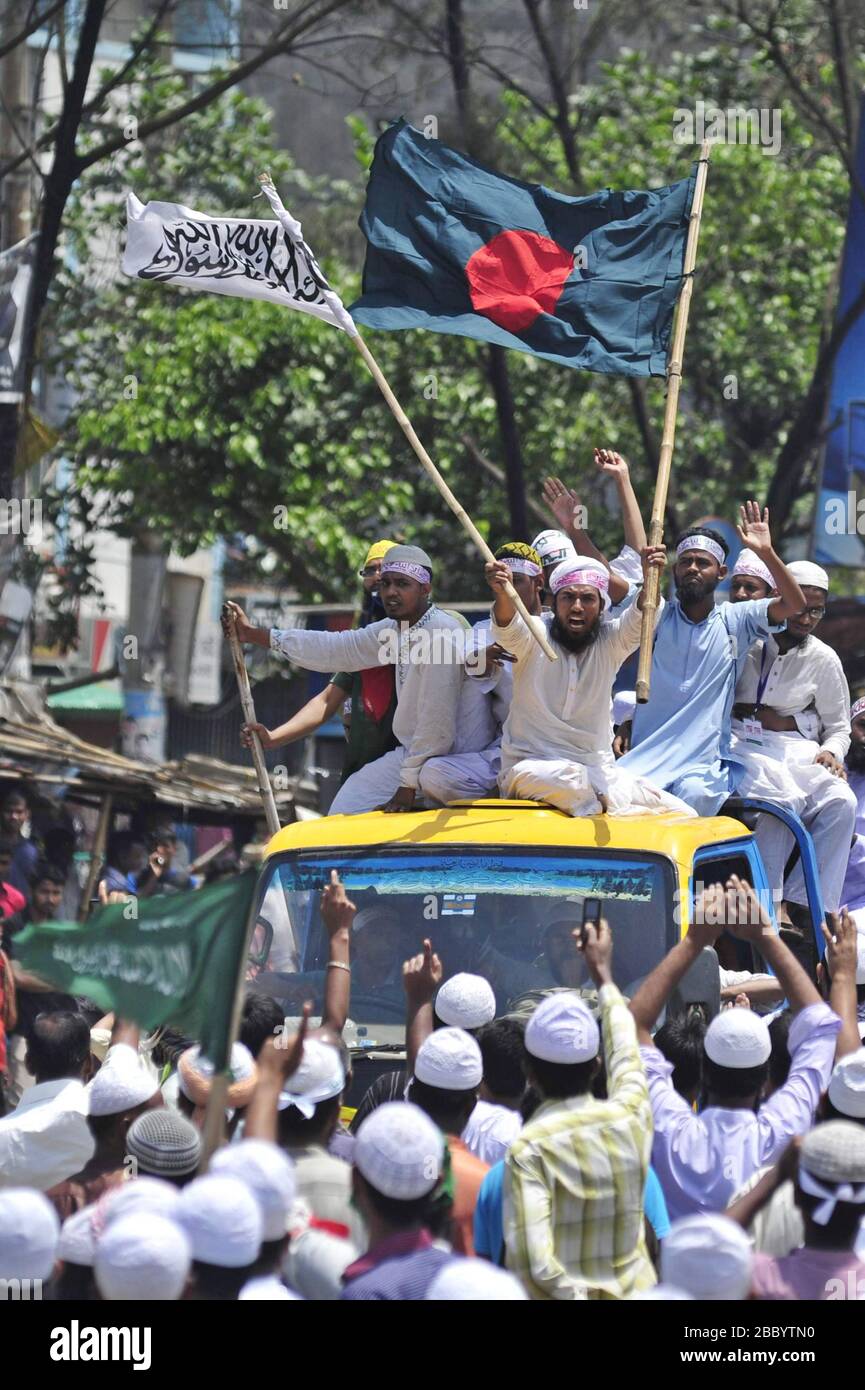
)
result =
(229, 255)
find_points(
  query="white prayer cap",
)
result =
(77, 1243)
(847, 1087)
(805, 572)
(142, 1256)
(475, 1280)
(139, 1194)
(29, 1231)
(399, 1151)
(195, 1075)
(749, 563)
(562, 1030)
(708, 1256)
(738, 1038)
(320, 1077)
(554, 546)
(269, 1175)
(122, 1082)
(222, 1220)
(835, 1152)
(451, 1060)
(466, 1001)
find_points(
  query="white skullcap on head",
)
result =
(554, 546)
(222, 1220)
(738, 1038)
(708, 1256)
(139, 1194)
(29, 1232)
(805, 572)
(847, 1086)
(77, 1244)
(122, 1082)
(749, 563)
(466, 1001)
(832, 1167)
(451, 1060)
(477, 1281)
(269, 1175)
(562, 1030)
(320, 1077)
(399, 1151)
(142, 1256)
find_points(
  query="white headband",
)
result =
(522, 566)
(838, 1192)
(700, 542)
(418, 572)
(858, 708)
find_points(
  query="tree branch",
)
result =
(38, 23)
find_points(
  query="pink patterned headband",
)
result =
(858, 708)
(418, 572)
(749, 563)
(568, 574)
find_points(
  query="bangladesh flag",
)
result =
(173, 959)
(456, 248)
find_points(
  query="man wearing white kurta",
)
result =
(427, 647)
(472, 769)
(557, 742)
(791, 732)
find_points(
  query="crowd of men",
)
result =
(583, 1145)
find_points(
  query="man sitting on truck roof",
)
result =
(556, 745)
(429, 676)
(791, 731)
(681, 738)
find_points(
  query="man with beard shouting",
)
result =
(556, 743)
(791, 730)
(681, 738)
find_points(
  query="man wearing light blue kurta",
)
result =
(681, 738)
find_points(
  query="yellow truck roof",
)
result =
(512, 823)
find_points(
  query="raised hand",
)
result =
(233, 613)
(337, 911)
(754, 530)
(746, 917)
(422, 975)
(596, 946)
(608, 461)
(497, 575)
(563, 503)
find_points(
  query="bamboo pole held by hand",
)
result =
(271, 814)
(674, 380)
(430, 469)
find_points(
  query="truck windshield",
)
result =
(506, 915)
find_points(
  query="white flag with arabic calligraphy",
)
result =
(246, 258)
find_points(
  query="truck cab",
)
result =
(498, 887)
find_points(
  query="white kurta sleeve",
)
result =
(624, 633)
(516, 638)
(832, 700)
(435, 728)
(356, 650)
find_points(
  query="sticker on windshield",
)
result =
(458, 904)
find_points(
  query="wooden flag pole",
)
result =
(674, 381)
(459, 512)
(271, 814)
(97, 854)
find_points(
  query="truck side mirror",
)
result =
(701, 985)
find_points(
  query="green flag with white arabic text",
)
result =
(173, 959)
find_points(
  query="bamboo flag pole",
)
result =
(430, 469)
(674, 381)
(271, 814)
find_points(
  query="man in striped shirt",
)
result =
(576, 1174)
